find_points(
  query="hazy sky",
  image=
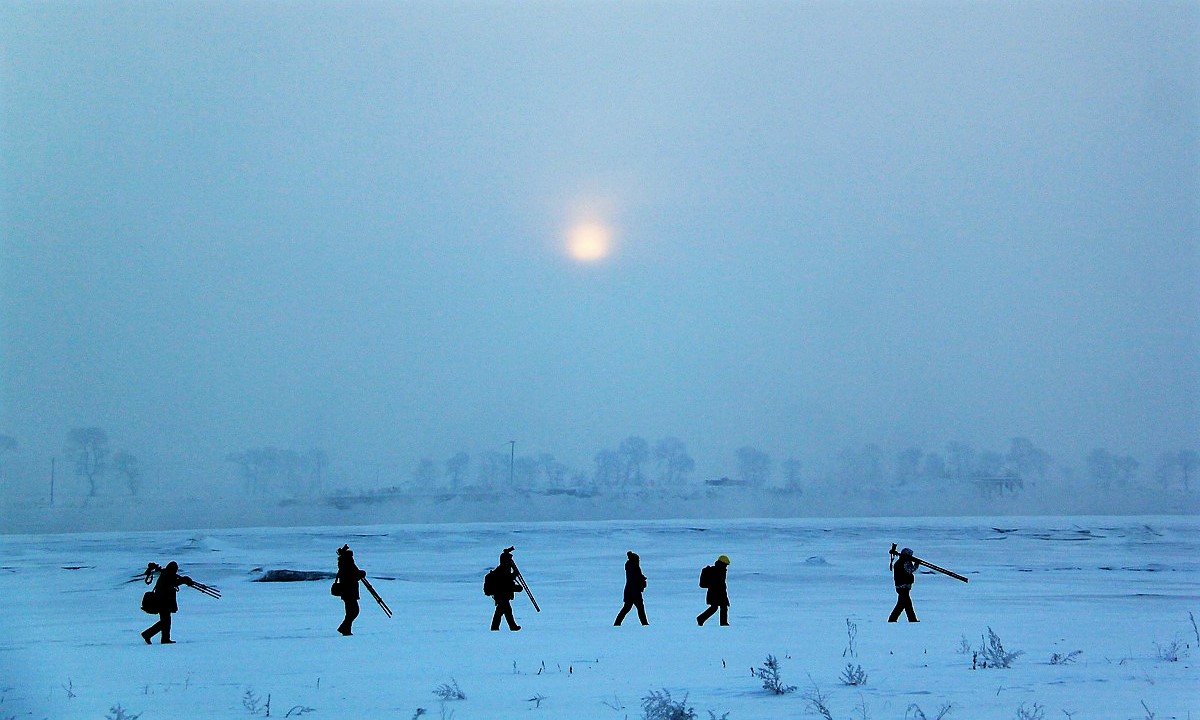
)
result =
(236, 224)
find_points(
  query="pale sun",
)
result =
(589, 242)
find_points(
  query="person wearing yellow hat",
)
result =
(712, 578)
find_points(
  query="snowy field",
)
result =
(1113, 594)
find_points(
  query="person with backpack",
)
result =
(169, 581)
(501, 585)
(635, 584)
(346, 583)
(712, 578)
(904, 573)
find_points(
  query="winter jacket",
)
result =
(166, 588)
(348, 576)
(635, 581)
(904, 572)
(718, 593)
(503, 584)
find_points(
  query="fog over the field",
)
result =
(346, 226)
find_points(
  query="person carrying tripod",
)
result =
(346, 581)
(169, 581)
(501, 584)
(904, 572)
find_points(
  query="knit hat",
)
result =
(724, 559)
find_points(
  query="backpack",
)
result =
(150, 603)
(706, 576)
(489, 582)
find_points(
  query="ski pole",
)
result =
(386, 610)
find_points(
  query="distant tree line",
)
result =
(636, 465)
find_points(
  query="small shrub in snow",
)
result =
(914, 711)
(254, 704)
(851, 639)
(450, 691)
(854, 675)
(1060, 659)
(991, 653)
(771, 680)
(1173, 651)
(659, 705)
(1037, 712)
(964, 646)
(817, 702)
(117, 712)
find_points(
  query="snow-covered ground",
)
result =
(1119, 590)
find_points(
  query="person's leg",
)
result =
(724, 614)
(165, 622)
(908, 607)
(621, 615)
(152, 630)
(641, 608)
(496, 616)
(347, 626)
(899, 606)
(712, 609)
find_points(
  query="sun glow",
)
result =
(589, 242)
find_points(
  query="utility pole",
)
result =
(512, 455)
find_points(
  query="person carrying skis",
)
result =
(713, 578)
(635, 583)
(347, 579)
(501, 584)
(904, 571)
(165, 589)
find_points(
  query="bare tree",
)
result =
(88, 449)
(908, 465)
(674, 463)
(1027, 459)
(425, 475)
(634, 452)
(1177, 466)
(1107, 469)
(753, 466)
(456, 467)
(552, 472)
(960, 460)
(492, 469)
(127, 466)
(608, 469)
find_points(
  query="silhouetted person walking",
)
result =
(501, 584)
(904, 573)
(165, 589)
(635, 583)
(713, 578)
(347, 579)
